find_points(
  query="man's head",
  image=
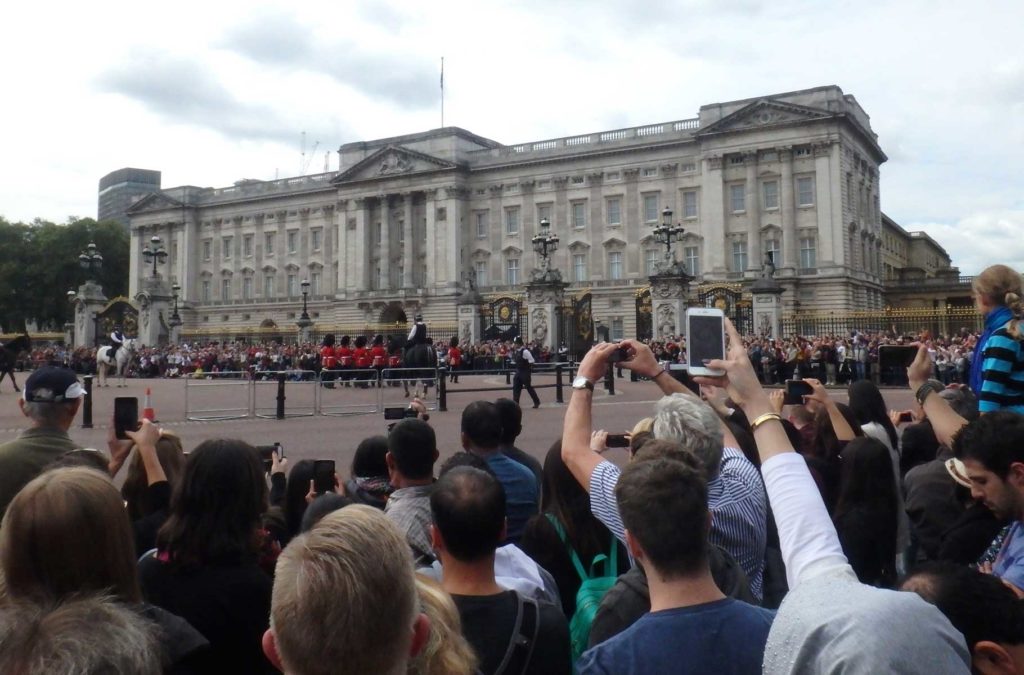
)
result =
(412, 451)
(694, 424)
(344, 598)
(481, 426)
(89, 635)
(468, 507)
(992, 450)
(980, 606)
(511, 420)
(664, 507)
(51, 398)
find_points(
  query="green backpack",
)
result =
(592, 589)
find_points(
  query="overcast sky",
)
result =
(212, 92)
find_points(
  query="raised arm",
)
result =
(643, 363)
(576, 427)
(945, 422)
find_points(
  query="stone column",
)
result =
(361, 246)
(430, 211)
(385, 243)
(713, 210)
(409, 248)
(88, 302)
(767, 307)
(754, 255)
(154, 304)
(135, 261)
(468, 312)
(788, 208)
(669, 292)
(543, 300)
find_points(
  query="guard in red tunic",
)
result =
(454, 358)
(328, 362)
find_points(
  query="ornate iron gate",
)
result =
(644, 320)
(732, 302)
(576, 325)
(118, 312)
(503, 319)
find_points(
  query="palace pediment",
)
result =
(391, 161)
(154, 201)
(765, 113)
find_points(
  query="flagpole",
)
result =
(442, 92)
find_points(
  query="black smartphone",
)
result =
(126, 415)
(795, 392)
(617, 441)
(896, 356)
(680, 373)
(395, 413)
(906, 417)
(620, 354)
(323, 476)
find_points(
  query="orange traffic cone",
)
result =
(147, 411)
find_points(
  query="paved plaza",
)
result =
(335, 437)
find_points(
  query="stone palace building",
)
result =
(411, 223)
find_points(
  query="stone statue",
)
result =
(666, 321)
(768, 268)
(540, 325)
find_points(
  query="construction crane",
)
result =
(304, 163)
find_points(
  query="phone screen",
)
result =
(394, 413)
(896, 356)
(795, 392)
(617, 441)
(126, 415)
(706, 339)
(323, 475)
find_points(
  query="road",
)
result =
(336, 437)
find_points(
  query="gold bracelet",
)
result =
(767, 417)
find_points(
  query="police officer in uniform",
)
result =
(524, 373)
(116, 340)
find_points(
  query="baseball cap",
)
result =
(958, 471)
(50, 384)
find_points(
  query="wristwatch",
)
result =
(925, 390)
(582, 383)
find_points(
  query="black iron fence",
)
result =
(893, 321)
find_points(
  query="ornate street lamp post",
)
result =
(155, 252)
(544, 244)
(175, 317)
(91, 260)
(666, 233)
(304, 320)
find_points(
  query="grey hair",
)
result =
(82, 636)
(49, 414)
(692, 423)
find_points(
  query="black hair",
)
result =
(564, 498)
(468, 507)
(360, 341)
(454, 342)
(978, 605)
(463, 458)
(329, 502)
(413, 447)
(995, 440)
(664, 505)
(295, 495)
(481, 422)
(511, 420)
(867, 484)
(216, 508)
(345, 340)
(868, 406)
(370, 458)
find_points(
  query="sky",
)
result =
(214, 92)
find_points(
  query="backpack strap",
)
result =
(524, 637)
(572, 552)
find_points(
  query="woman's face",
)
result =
(981, 303)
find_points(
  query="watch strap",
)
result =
(924, 391)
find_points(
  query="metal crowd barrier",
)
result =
(335, 384)
(232, 390)
(563, 373)
(305, 382)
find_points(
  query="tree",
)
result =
(40, 265)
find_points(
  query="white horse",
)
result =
(119, 363)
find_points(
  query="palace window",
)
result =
(691, 257)
(268, 243)
(614, 210)
(225, 289)
(617, 333)
(579, 267)
(771, 250)
(650, 208)
(579, 215)
(771, 195)
(482, 277)
(737, 198)
(247, 288)
(314, 283)
(314, 239)
(544, 212)
(268, 286)
(293, 241)
(805, 191)
(481, 225)
(651, 258)
(512, 220)
(690, 204)
(615, 264)
(512, 271)
(808, 253)
(225, 245)
(247, 246)
(739, 256)
(207, 248)
(293, 286)
(204, 290)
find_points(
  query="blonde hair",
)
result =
(1001, 286)
(344, 598)
(646, 424)
(446, 652)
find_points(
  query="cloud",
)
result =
(184, 91)
(385, 69)
(980, 239)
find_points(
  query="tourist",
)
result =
(997, 367)
(412, 452)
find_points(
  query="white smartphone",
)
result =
(705, 339)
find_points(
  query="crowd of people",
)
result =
(743, 534)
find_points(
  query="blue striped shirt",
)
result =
(736, 500)
(1002, 373)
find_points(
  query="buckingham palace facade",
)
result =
(409, 223)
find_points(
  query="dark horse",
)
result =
(9, 353)
(419, 356)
